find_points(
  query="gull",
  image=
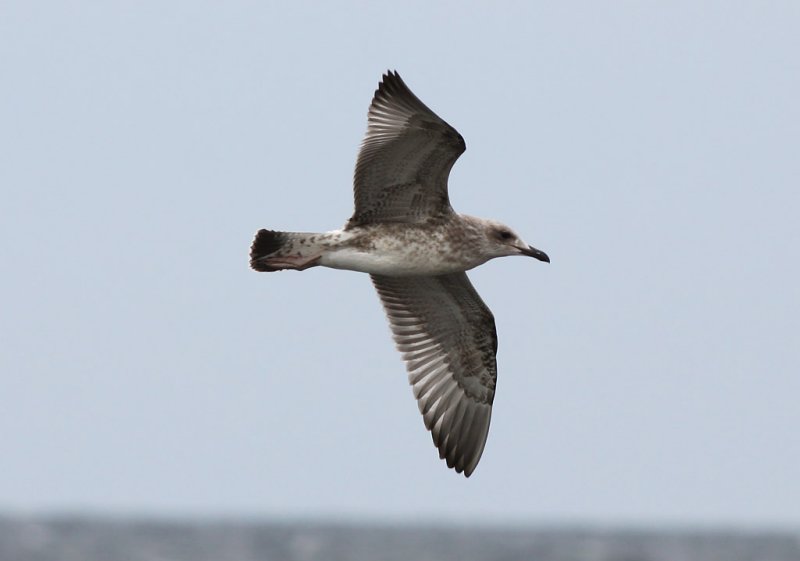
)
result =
(416, 248)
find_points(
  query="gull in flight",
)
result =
(416, 248)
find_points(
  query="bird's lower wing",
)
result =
(448, 340)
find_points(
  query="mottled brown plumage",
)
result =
(405, 234)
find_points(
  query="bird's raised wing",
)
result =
(405, 159)
(448, 339)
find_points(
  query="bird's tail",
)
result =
(273, 251)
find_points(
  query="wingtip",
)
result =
(390, 80)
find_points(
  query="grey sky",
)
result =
(650, 374)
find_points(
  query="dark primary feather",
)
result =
(448, 340)
(405, 159)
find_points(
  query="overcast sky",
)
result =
(650, 374)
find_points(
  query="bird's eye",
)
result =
(505, 234)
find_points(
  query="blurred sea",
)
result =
(98, 539)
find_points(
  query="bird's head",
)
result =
(504, 241)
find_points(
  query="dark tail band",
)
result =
(266, 243)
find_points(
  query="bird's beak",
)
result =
(535, 253)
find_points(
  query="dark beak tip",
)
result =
(537, 254)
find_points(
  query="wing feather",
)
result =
(450, 350)
(405, 159)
